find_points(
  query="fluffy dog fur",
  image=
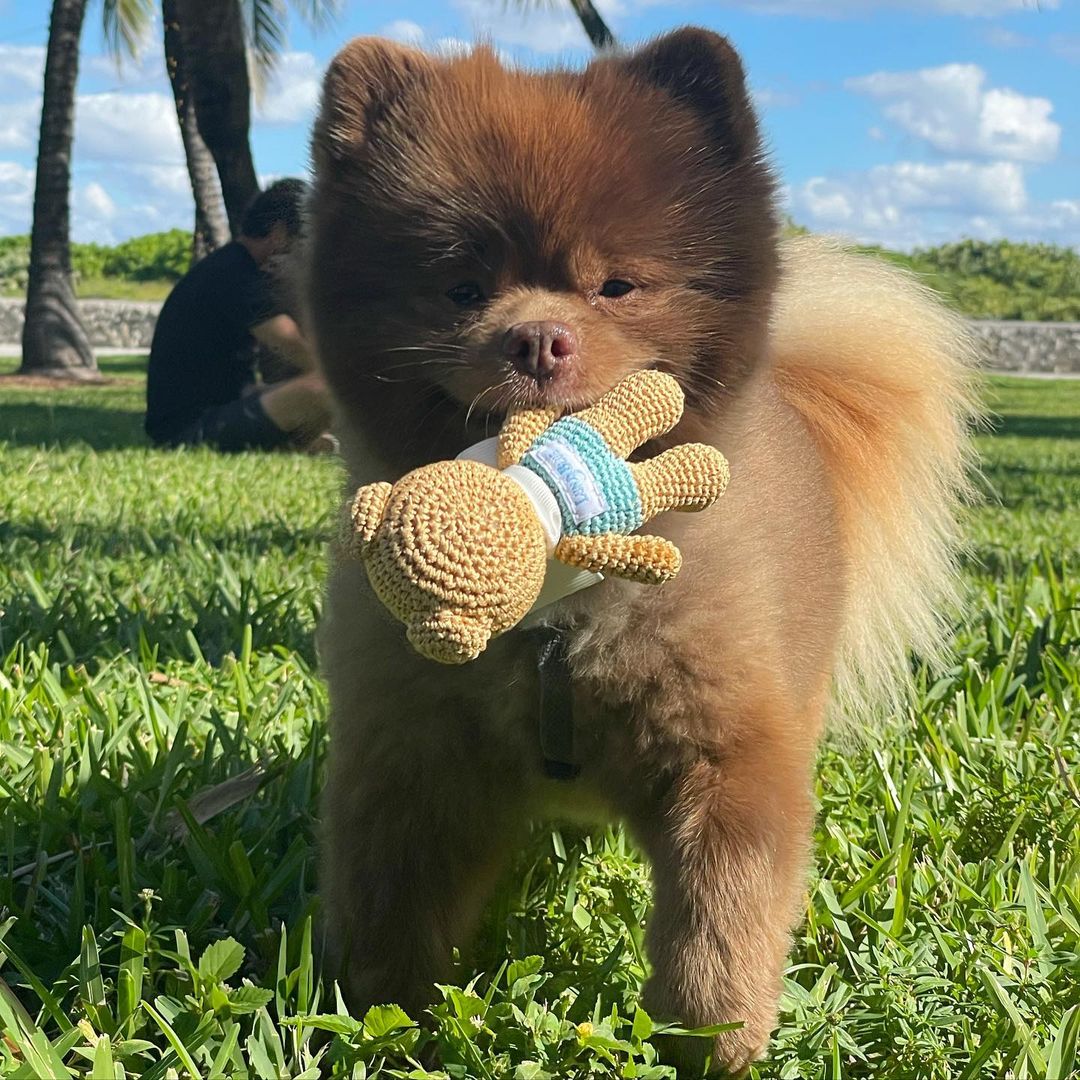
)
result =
(838, 390)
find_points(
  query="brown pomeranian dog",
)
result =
(482, 236)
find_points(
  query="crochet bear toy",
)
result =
(457, 550)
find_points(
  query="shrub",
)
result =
(14, 261)
(1000, 279)
(163, 256)
(88, 260)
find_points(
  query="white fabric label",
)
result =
(560, 580)
(566, 469)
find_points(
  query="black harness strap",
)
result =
(556, 704)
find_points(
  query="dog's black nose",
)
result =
(537, 349)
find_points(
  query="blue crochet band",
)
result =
(593, 486)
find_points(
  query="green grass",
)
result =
(114, 288)
(161, 742)
(106, 288)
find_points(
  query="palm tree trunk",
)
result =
(211, 228)
(599, 32)
(216, 60)
(54, 341)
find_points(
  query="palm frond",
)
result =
(265, 22)
(592, 22)
(317, 14)
(124, 24)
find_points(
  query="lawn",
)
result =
(104, 288)
(161, 741)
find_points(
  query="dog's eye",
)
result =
(615, 287)
(466, 294)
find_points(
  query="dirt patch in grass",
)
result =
(49, 382)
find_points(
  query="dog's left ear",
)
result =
(701, 69)
(361, 88)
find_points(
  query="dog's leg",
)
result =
(728, 843)
(418, 818)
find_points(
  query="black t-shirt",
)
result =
(202, 353)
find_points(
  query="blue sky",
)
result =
(905, 122)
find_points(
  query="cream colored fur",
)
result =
(884, 376)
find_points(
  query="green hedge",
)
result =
(163, 256)
(14, 259)
(998, 280)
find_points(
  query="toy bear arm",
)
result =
(641, 407)
(687, 477)
(647, 559)
(520, 430)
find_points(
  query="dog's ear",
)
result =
(701, 69)
(359, 89)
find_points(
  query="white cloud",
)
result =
(94, 214)
(165, 179)
(1067, 46)
(842, 8)
(951, 108)
(999, 37)
(144, 71)
(403, 30)
(98, 201)
(127, 127)
(910, 204)
(885, 192)
(94, 211)
(541, 29)
(122, 201)
(452, 46)
(18, 125)
(410, 33)
(766, 97)
(22, 67)
(16, 197)
(291, 93)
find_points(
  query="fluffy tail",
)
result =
(884, 376)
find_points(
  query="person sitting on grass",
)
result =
(201, 386)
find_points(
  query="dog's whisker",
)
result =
(435, 346)
(479, 397)
(418, 367)
(434, 361)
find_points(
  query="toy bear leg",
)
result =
(728, 842)
(650, 560)
(687, 477)
(643, 406)
(417, 822)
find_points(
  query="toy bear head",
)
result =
(455, 551)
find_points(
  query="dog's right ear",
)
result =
(701, 69)
(359, 89)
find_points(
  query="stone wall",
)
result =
(1035, 347)
(1030, 347)
(111, 324)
